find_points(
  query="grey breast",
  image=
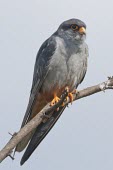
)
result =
(67, 67)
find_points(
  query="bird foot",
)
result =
(54, 101)
(70, 95)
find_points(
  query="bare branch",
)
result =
(45, 112)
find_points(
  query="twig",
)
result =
(46, 110)
(11, 157)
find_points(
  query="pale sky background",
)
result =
(82, 139)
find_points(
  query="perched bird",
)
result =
(61, 62)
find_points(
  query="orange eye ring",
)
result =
(74, 27)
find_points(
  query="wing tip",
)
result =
(22, 162)
(24, 159)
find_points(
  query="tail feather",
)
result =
(22, 144)
(40, 133)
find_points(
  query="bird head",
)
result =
(73, 29)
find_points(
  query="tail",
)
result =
(40, 133)
(22, 144)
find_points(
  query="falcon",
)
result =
(61, 63)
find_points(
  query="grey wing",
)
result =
(85, 63)
(40, 72)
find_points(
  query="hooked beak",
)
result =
(82, 30)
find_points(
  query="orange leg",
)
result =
(70, 94)
(55, 100)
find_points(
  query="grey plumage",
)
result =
(61, 61)
(40, 72)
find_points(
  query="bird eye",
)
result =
(74, 27)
